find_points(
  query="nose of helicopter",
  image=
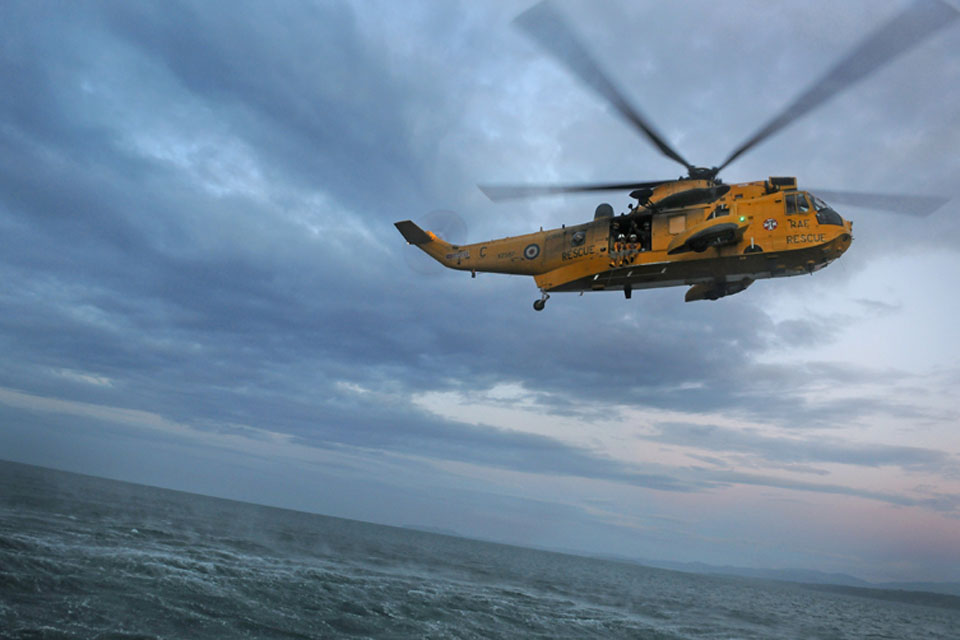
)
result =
(843, 240)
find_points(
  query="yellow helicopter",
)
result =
(696, 231)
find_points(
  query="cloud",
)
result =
(431, 438)
(196, 206)
(821, 449)
(166, 255)
(946, 502)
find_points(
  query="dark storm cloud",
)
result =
(302, 84)
(221, 311)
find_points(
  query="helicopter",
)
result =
(695, 230)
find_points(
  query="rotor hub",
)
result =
(703, 173)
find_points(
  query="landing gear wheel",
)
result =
(538, 305)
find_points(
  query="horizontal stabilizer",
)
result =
(412, 233)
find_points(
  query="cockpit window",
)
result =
(797, 203)
(826, 215)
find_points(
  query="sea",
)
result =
(84, 557)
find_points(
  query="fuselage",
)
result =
(754, 230)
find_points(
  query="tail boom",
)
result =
(517, 255)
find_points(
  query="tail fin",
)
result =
(412, 233)
(428, 242)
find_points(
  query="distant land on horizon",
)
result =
(806, 577)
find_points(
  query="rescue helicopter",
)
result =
(695, 230)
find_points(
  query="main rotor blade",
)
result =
(899, 34)
(898, 203)
(544, 24)
(498, 193)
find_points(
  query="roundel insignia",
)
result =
(770, 224)
(531, 251)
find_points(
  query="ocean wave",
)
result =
(114, 561)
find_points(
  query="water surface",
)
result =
(83, 557)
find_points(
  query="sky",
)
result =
(201, 286)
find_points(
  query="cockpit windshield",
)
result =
(825, 215)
